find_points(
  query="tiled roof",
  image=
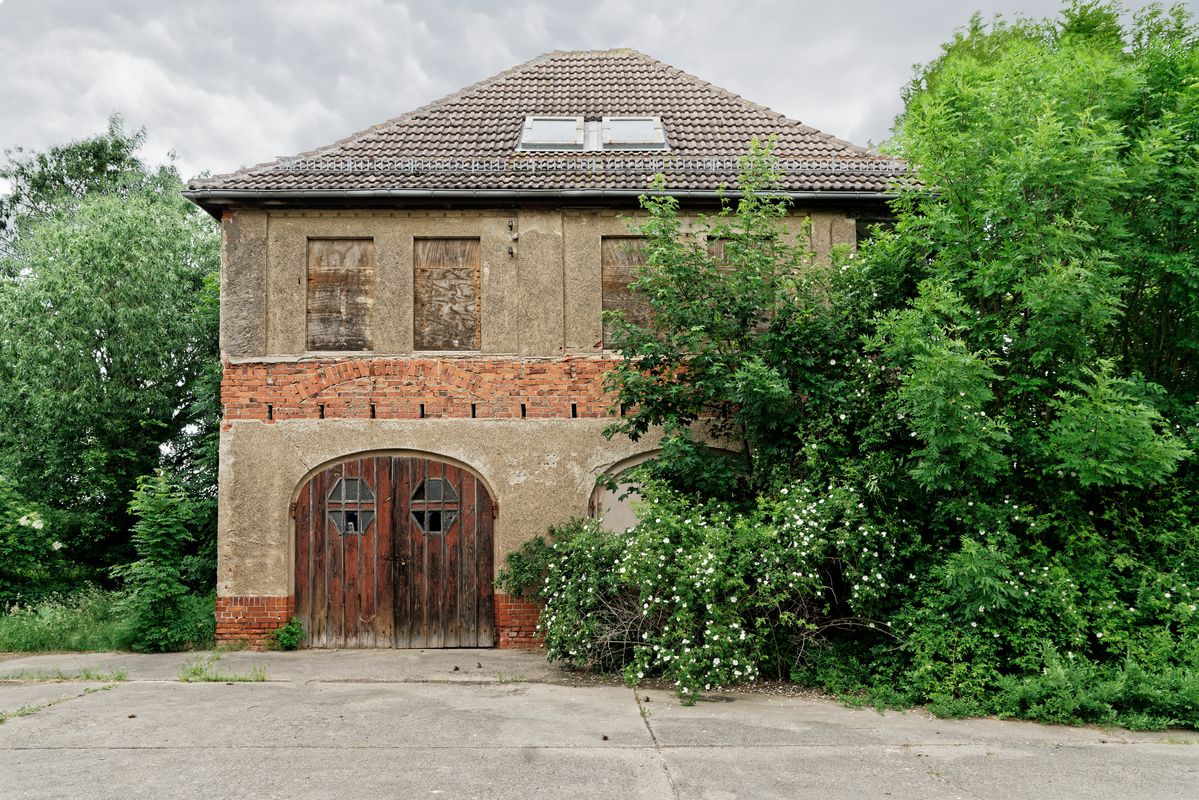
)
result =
(466, 142)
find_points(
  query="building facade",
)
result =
(413, 344)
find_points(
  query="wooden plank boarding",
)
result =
(621, 257)
(341, 290)
(446, 292)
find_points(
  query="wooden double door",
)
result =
(395, 551)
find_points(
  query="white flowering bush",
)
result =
(706, 597)
(29, 557)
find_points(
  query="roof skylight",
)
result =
(633, 133)
(552, 133)
(609, 133)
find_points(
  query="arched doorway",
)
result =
(394, 551)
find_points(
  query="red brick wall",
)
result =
(251, 619)
(397, 387)
(516, 623)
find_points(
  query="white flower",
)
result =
(716, 662)
(58, 545)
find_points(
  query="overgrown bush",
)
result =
(525, 569)
(992, 405)
(706, 596)
(163, 612)
(28, 551)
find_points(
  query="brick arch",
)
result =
(494, 387)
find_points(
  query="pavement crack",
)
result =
(935, 771)
(641, 709)
(30, 710)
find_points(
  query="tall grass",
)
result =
(85, 620)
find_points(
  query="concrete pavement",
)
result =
(366, 724)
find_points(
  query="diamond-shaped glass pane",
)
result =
(351, 490)
(348, 521)
(435, 490)
(434, 520)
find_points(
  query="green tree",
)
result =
(163, 612)
(746, 334)
(108, 336)
(41, 183)
(1056, 253)
(1003, 382)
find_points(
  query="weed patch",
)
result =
(58, 676)
(84, 621)
(204, 670)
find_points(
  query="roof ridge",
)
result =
(465, 132)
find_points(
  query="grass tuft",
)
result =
(58, 676)
(203, 670)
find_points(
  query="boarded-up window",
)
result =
(341, 290)
(716, 249)
(722, 250)
(621, 257)
(446, 294)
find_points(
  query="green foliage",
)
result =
(1106, 435)
(1069, 691)
(87, 619)
(29, 565)
(162, 611)
(708, 597)
(1047, 161)
(1003, 382)
(740, 336)
(290, 635)
(108, 365)
(524, 570)
(43, 183)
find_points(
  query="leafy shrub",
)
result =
(706, 596)
(163, 612)
(524, 571)
(988, 414)
(1072, 690)
(28, 552)
(290, 635)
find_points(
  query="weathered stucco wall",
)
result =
(540, 295)
(541, 472)
(540, 289)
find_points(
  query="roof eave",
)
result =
(207, 198)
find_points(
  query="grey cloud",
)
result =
(230, 82)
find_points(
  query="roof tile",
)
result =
(474, 133)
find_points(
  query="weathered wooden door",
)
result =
(394, 551)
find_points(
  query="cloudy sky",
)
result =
(224, 83)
